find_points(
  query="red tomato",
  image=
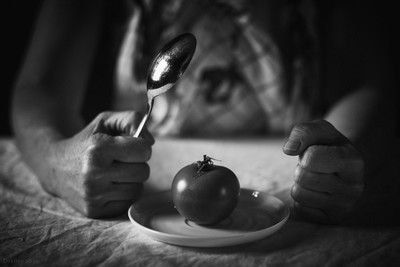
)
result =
(205, 193)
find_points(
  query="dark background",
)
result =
(17, 21)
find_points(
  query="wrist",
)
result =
(39, 149)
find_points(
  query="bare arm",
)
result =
(50, 89)
(367, 118)
(338, 155)
(97, 168)
(49, 92)
(358, 61)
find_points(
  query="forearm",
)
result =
(366, 117)
(51, 86)
(40, 122)
(35, 112)
(358, 56)
(49, 91)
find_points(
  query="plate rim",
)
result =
(166, 237)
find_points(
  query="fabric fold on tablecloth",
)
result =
(37, 228)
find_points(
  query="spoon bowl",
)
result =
(167, 68)
(171, 62)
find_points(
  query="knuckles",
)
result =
(97, 206)
(340, 159)
(147, 153)
(308, 128)
(317, 154)
(335, 208)
(116, 123)
(94, 155)
(89, 189)
(144, 171)
(301, 129)
(309, 155)
(103, 116)
(90, 160)
(347, 156)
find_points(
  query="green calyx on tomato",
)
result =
(205, 193)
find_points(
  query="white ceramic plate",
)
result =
(256, 216)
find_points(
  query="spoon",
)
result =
(166, 69)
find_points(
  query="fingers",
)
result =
(323, 197)
(122, 192)
(319, 200)
(114, 208)
(147, 136)
(110, 209)
(322, 159)
(128, 173)
(318, 132)
(112, 139)
(128, 149)
(323, 149)
(342, 160)
(310, 198)
(122, 123)
(329, 179)
(112, 164)
(113, 191)
(321, 182)
(312, 214)
(330, 184)
(320, 207)
(116, 200)
(104, 150)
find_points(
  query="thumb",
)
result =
(318, 132)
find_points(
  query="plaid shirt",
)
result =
(235, 83)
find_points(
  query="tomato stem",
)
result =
(205, 164)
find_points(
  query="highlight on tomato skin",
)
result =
(205, 193)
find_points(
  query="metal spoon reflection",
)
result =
(166, 69)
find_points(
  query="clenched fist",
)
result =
(100, 170)
(329, 178)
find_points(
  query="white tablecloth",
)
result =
(38, 229)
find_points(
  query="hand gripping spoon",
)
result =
(166, 69)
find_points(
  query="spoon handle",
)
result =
(145, 117)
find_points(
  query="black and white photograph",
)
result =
(200, 133)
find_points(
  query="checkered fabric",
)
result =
(235, 83)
